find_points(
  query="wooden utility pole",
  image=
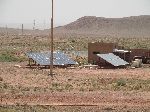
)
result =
(51, 57)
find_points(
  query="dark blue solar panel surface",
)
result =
(44, 58)
(113, 59)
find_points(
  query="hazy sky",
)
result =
(66, 11)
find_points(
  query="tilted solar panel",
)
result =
(113, 59)
(44, 58)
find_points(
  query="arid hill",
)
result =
(134, 26)
(91, 26)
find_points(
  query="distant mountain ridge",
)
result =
(91, 26)
(127, 26)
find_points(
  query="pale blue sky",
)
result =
(66, 11)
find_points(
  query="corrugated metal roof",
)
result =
(113, 59)
(44, 58)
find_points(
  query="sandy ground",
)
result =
(39, 78)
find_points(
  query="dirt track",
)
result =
(105, 98)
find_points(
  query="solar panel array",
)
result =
(59, 58)
(113, 59)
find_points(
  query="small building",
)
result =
(99, 48)
(105, 48)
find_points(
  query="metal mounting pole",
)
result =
(51, 57)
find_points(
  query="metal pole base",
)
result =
(51, 74)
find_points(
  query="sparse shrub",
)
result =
(5, 86)
(1, 79)
(73, 41)
(35, 89)
(68, 87)
(7, 58)
(25, 89)
(82, 89)
(121, 82)
(57, 87)
(137, 86)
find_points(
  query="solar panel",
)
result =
(59, 58)
(113, 59)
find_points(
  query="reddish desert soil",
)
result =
(26, 77)
(39, 78)
(108, 98)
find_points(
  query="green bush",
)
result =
(8, 58)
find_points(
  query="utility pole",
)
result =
(22, 30)
(44, 25)
(33, 24)
(6, 30)
(51, 57)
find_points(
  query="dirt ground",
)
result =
(76, 87)
(39, 77)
